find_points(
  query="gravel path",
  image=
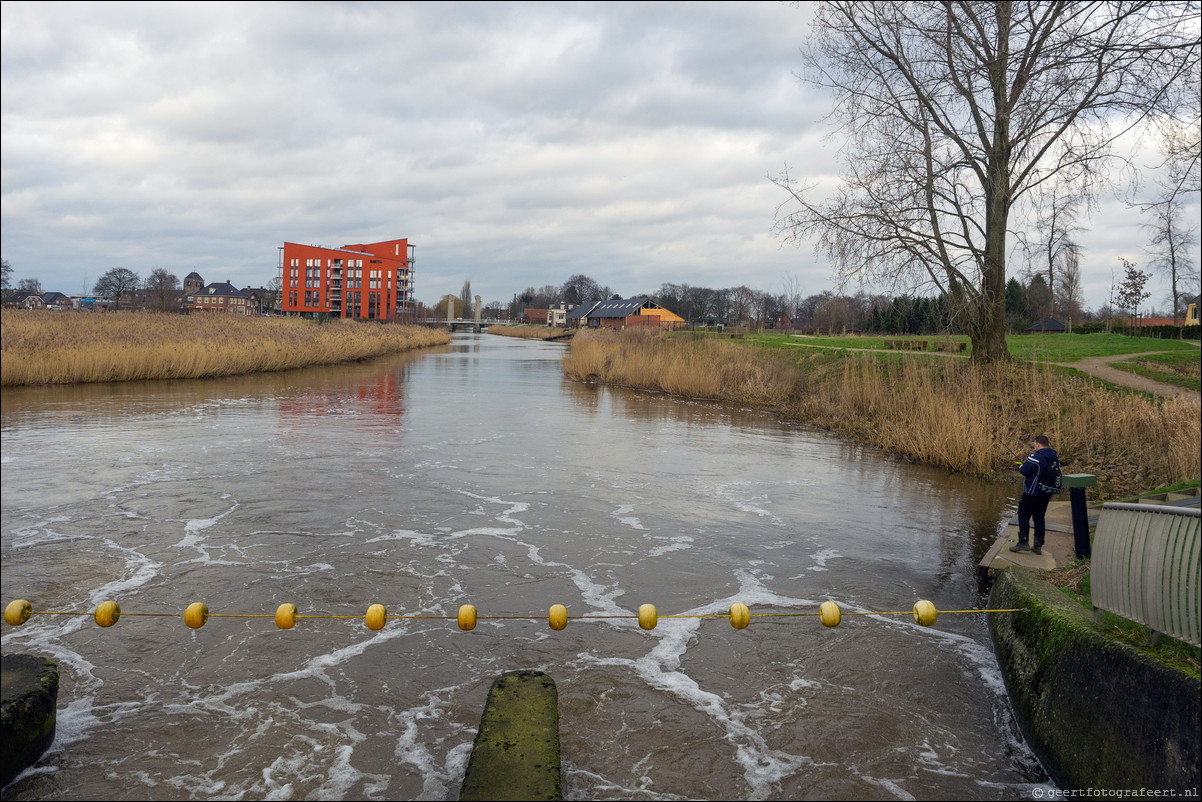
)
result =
(1099, 366)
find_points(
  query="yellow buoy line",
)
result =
(286, 615)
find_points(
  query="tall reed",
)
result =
(65, 347)
(944, 412)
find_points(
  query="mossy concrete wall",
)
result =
(1098, 713)
(516, 751)
(28, 713)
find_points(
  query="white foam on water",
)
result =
(41, 533)
(754, 504)
(414, 537)
(623, 514)
(678, 543)
(602, 788)
(600, 599)
(763, 766)
(931, 758)
(889, 785)
(821, 557)
(141, 570)
(192, 534)
(412, 743)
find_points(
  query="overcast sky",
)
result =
(514, 144)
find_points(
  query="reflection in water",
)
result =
(476, 473)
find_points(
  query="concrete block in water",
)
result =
(516, 751)
(27, 714)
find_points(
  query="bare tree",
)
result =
(956, 112)
(115, 283)
(769, 308)
(580, 289)
(742, 304)
(7, 274)
(1068, 293)
(1172, 240)
(162, 290)
(30, 285)
(1050, 238)
(271, 299)
(791, 296)
(703, 305)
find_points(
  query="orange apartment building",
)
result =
(371, 282)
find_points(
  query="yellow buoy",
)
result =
(107, 613)
(196, 615)
(925, 613)
(285, 616)
(467, 617)
(829, 614)
(376, 617)
(17, 612)
(558, 617)
(740, 616)
(647, 616)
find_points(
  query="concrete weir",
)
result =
(516, 751)
(27, 715)
(1099, 713)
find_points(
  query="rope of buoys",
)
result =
(286, 615)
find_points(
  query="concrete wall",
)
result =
(1100, 714)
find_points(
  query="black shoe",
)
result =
(1020, 547)
(1037, 550)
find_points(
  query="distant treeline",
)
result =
(1028, 302)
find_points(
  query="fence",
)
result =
(1146, 565)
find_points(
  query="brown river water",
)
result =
(476, 474)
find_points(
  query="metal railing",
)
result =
(1146, 565)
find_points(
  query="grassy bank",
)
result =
(941, 411)
(529, 332)
(66, 348)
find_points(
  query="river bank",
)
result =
(939, 411)
(532, 332)
(68, 348)
(1059, 662)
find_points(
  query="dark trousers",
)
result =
(1032, 507)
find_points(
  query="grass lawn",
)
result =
(1183, 369)
(1033, 347)
(1071, 347)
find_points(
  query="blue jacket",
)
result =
(1030, 469)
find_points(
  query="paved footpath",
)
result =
(1097, 366)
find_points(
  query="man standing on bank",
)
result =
(1034, 503)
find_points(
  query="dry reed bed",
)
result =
(940, 411)
(65, 348)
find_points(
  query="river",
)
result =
(476, 474)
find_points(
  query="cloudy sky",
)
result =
(514, 144)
